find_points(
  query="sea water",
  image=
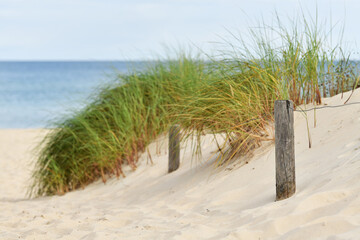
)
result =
(34, 94)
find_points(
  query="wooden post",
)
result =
(174, 148)
(284, 149)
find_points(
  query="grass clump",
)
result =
(115, 127)
(296, 63)
(233, 95)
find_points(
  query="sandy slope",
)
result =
(198, 202)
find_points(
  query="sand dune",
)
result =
(198, 201)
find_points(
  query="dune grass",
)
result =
(233, 95)
(115, 127)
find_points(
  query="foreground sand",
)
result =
(198, 202)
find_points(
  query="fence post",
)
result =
(174, 148)
(284, 149)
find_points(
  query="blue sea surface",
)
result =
(32, 94)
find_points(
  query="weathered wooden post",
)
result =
(284, 149)
(174, 148)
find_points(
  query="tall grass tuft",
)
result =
(233, 95)
(115, 127)
(296, 63)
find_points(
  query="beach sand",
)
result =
(198, 201)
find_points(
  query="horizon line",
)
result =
(106, 60)
(75, 60)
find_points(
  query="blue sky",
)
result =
(135, 30)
